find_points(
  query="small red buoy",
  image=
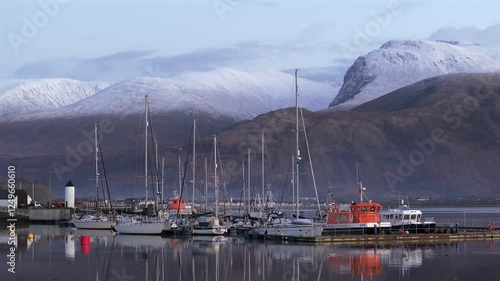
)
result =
(85, 244)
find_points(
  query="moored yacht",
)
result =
(277, 224)
(98, 221)
(209, 224)
(144, 225)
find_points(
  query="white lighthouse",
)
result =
(69, 195)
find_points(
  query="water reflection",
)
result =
(67, 254)
(69, 246)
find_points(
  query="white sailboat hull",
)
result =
(291, 230)
(93, 224)
(140, 228)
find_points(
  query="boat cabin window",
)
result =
(342, 218)
(364, 210)
(419, 217)
(372, 209)
(413, 216)
(406, 217)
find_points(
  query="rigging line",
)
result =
(104, 172)
(138, 162)
(222, 174)
(154, 141)
(266, 152)
(285, 184)
(154, 173)
(99, 170)
(199, 149)
(185, 169)
(242, 188)
(90, 189)
(310, 160)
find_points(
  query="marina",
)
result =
(63, 253)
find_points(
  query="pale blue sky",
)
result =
(251, 34)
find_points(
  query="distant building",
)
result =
(22, 199)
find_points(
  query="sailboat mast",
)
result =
(194, 160)
(146, 152)
(162, 180)
(248, 187)
(297, 151)
(96, 167)
(215, 179)
(262, 176)
(179, 172)
(360, 185)
(243, 181)
(293, 182)
(157, 188)
(206, 184)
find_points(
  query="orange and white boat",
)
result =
(176, 206)
(355, 218)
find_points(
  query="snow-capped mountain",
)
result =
(223, 92)
(401, 63)
(26, 96)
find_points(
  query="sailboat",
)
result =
(209, 224)
(98, 220)
(277, 225)
(145, 225)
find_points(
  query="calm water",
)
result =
(466, 216)
(57, 254)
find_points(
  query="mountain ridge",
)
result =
(401, 63)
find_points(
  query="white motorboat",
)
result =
(407, 219)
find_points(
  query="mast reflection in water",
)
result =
(54, 253)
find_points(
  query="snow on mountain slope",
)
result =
(222, 92)
(19, 97)
(401, 63)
